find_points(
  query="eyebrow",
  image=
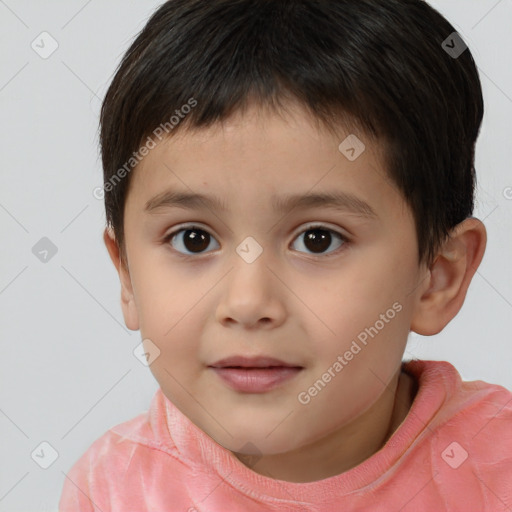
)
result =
(342, 201)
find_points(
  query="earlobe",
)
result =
(450, 276)
(128, 305)
(130, 313)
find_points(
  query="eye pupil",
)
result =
(318, 242)
(194, 241)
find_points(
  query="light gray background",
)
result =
(67, 370)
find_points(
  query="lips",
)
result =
(252, 362)
(255, 374)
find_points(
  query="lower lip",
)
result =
(257, 380)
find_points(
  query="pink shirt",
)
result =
(453, 452)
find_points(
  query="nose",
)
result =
(252, 296)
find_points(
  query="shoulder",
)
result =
(479, 410)
(475, 412)
(135, 439)
(462, 442)
(480, 414)
(114, 465)
(472, 444)
(109, 451)
(476, 403)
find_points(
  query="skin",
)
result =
(291, 303)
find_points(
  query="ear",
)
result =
(449, 277)
(131, 317)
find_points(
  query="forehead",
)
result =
(257, 157)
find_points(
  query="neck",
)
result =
(347, 447)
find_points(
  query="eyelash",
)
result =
(344, 239)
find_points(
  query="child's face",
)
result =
(302, 300)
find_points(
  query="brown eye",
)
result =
(192, 239)
(319, 239)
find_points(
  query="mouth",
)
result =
(259, 362)
(253, 367)
(254, 375)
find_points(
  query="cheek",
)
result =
(345, 304)
(163, 295)
(177, 331)
(172, 311)
(363, 317)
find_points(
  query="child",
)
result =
(320, 155)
